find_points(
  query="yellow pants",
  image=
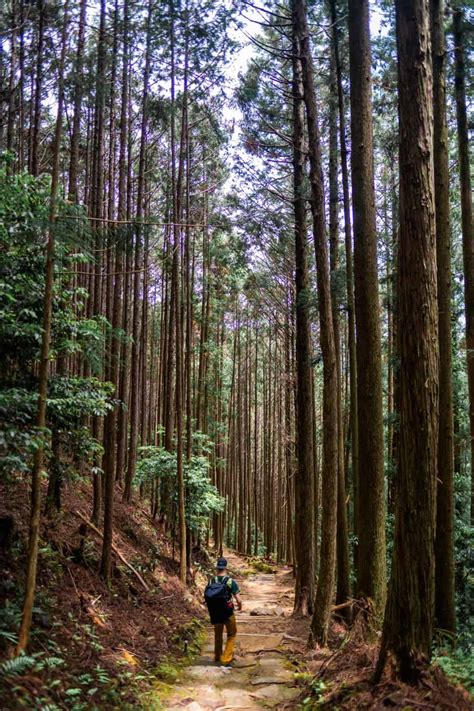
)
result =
(231, 629)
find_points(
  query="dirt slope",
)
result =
(92, 647)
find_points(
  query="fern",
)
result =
(9, 636)
(49, 663)
(54, 662)
(17, 666)
(459, 667)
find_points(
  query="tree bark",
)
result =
(178, 323)
(78, 91)
(371, 566)
(445, 613)
(34, 165)
(96, 204)
(138, 277)
(343, 590)
(466, 218)
(408, 624)
(111, 432)
(304, 514)
(327, 570)
(354, 422)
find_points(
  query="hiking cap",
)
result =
(221, 564)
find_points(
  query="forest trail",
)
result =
(262, 675)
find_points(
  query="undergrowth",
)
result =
(79, 657)
(261, 566)
(59, 690)
(458, 665)
(167, 673)
(44, 680)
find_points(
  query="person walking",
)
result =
(220, 593)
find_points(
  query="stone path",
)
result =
(262, 676)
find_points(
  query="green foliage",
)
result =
(155, 463)
(24, 209)
(318, 689)
(168, 672)
(458, 666)
(464, 578)
(70, 402)
(202, 497)
(15, 667)
(10, 614)
(23, 216)
(262, 566)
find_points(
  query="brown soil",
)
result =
(121, 630)
(112, 640)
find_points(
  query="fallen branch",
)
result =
(153, 521)
(114, 548)
(326, 662)
(418, 703)
(73, 582)
(342, 605)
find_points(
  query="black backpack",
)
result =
(218, 596)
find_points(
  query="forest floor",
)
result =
(95, 648)
(92, 647)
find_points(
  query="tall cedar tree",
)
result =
(43, 376)
(354, 424)
(370, 514)
(177, 297)
(466, 218)
(110, 433)
(444, 548)
(139, 272)
(408, 625)
(343, 566)
(327, 572)
(304, 480)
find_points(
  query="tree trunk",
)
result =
(343, 581)
(408, 624)
(354, 422)
(466, 217)
(371, 567)
(78, 90)
(135, 374)
(178, 323)
(34, 166)
(445, 612)
(304, 514)
(327, 571)
(111, 431)
(12, 93)
(35, 511)
(96, 211)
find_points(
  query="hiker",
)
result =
(218, 596)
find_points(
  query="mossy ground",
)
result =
(261, 566)
(192, 635)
